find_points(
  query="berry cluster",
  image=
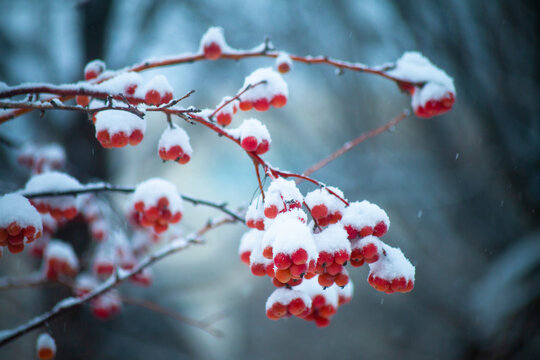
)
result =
(310, 258)
(41, 158)
(60, 260)
(107, 305)
(272, 90)
(116, 128)
(59, 207)
(157, 204)
(225, 114)
(19, 221)
(174, 145)
(253, 136)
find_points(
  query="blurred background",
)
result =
(462, 190)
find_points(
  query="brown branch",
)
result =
(351, 144)
(145, 304)
(61, 307)
(259, 178)
(100, 187)
(60, 106)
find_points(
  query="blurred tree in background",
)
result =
(462, 189)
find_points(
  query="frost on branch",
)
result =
(174, 145)
(325, 207)
(273, 91)
(19, 221)
(45, 347)
(157, 204)
(213, 43)
(253, 135)
(392, 272)
(287, 302)
(60, 207)
(435, 95)
(364, 218)
(42, 158)
(60, 259)
(107, 305)
(115, 128)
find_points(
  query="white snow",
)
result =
(45, 341)
(97, 66)
(160, 84)
(322, 196)
(287, 233)
(230, 108)
(63, 252)
(360, 214)
(252, 127)
(250, 240)
(256, 256)
(53, 181)
(313, 288)
(282, 190)
(365, 241)
(275, 85)
(414, 67)
(393, 264)
(17, 208)
(116, 121)
(346, 291)
(85, 283)
(284, 58)
(214, 34)
(284, 296)
(175, 136)
(255, 210)
(118, 84)
(151, 190)
(332, 239)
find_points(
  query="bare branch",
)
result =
(55, 105)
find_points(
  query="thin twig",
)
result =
(60, 106)
(99, 187)
(351, 144)
(61, 307)
(259, 178)
(237, 96)
(145, 304)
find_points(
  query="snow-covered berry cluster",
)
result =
(432, 90)
(271, 90)
(174, 145)
(60, 260)
(157, 204)
(59, 207)
(20, 222)
(115, 128)
(253, 136)
(41, 158)
(307, 261)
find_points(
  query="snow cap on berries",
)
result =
(255, 214)
(436, 95)
(45, 347)
(392, 265)
(345, 293)
(158, 91)
(250, 241)
(274, 85)
(332, 239)
(213, 43)
(360, 215)
(283, 62)
(127, 83)
(253, 135)
(84, 283)
(151, 190)
(93, 69)
(61, 256)
(118, 121)
(284, 296)
(224, 115)
(50, 182)
(287, 234)
(15, 208)
(174, 144)
(312, 288)
(323, 197)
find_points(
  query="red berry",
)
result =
(341, 257)
(167, 97)
(14, 229)
(261, 104)
(369, 252)
(325, 258)
(351, 231)
(342, 279)
(267, 252)
(299, 257)
(282, 261)
(279, 101)
(283, 275)
(319, 211)
(326, 280)
(283, 68)
(135, 137)
(322, 322)
(245, 105)
(263, 147)
(250, 143)
(365, 231)
(130, 89)
(380, 229)
(298, 271)
(259, 224)
(296, 306)
(258, 269)
(271, 211)
(224, 119)
(152, 97)
(334, 269)
(212, 51)
(82, 100)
